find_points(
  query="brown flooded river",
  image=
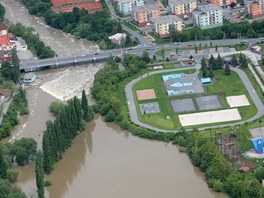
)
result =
(63, 44)
(106, 162)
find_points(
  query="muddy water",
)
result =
(105, 162)
(63, 44)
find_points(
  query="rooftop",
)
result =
(29, 76)
(166, 19)
(179, 2)
(3, 27)
(125, 1)
(209, 7)
(117, 36)
(21, 41)
(5, 92)
(4, 40)
(145, 8)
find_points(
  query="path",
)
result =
(133, 110)
(5, 109)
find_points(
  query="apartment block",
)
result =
(143, 15)
(222, 3)
(255, 8)
(182, 7)
(125, 7)
(163, 24)
(208, 16)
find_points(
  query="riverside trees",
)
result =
(60, 133)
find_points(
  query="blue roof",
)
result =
(206, 80)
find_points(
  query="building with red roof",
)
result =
(5, 43)
(68, 5)
(3, 29)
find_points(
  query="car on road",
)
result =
(130, 49)
(200, 49)
(177, 43)
(189, 44)
(244, 42)
(96, 53)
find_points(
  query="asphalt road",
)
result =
(102, 55)
(242, 75)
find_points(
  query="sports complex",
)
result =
(182, 98)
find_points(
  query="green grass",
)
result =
(132, 27)
(229, 85)
(169, 66)
(159, 40)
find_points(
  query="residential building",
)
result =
(118, 38)
(5, 43)
(163, 24)
(21, 44)
(182, 7)
(3, 30)
(91, 6)
(125, 7)
(223, 3)
(255, 8)
(142, 15)
(5, 95)
(5, 56)
(208, 16)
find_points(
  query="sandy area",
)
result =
(257, 132)
(146, 94)
(209, 117)
(70, 82)
(237, 101)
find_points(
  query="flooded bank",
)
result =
(106, 162)
(63, 44)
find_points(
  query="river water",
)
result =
(63, 44)
(105, 161)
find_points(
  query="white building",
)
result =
(125, 7)
(21, 44)
(208, 16)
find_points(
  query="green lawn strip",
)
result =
(169, 66)
(159, 40)
(132, 27)
(159, 119)
(229, 85)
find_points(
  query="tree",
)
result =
(145, 56)
(110, 116)
(84, 103)
(3, 165)
(174, 34)
(154, 57)
(5, 188)
(191, 57)
(12, 174)
(234, 61)
(216, 48)
(227, 70)
(39, 170)
(219, 62)
(16, 193)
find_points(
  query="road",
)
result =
(133, 110)
(103, 55)
(5, 109)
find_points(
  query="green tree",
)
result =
(12, 174)
(84, 103)
(110, 116)
(227, 70)
(3, 165)
(234, 61)
(2, 12)
(5, 188)
(39, 171)
(219, 62)
(145, 56)
(16, 193)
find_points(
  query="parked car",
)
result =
(177, 43)
(189, 44)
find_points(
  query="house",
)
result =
(118, 38)
(208, 16)
(21, 44)
(223, 3)
(5, 43)
(182, 7)
(3, 30)
(5, 95)
(254, 9)
(68, 5)
(142, 15)
(125, 7)
(5, 56)
(255, 48)
(227, 60)
(163, 24)
(206, 81)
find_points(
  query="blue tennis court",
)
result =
(172, 76)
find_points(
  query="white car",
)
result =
(177, 43)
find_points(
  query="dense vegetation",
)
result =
(94, 27)
(10, 119)
(221, 175)
(21, 151)
(2, 13)
(70, 120)
(108, 90)
(35, 45)
(10, 71)
(39, 171)
(227, 31)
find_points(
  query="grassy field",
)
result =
(229, 85)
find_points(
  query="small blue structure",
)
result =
(172, 76)
(179, 84)
(206, 80)
(29, 78)
(258, 144)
